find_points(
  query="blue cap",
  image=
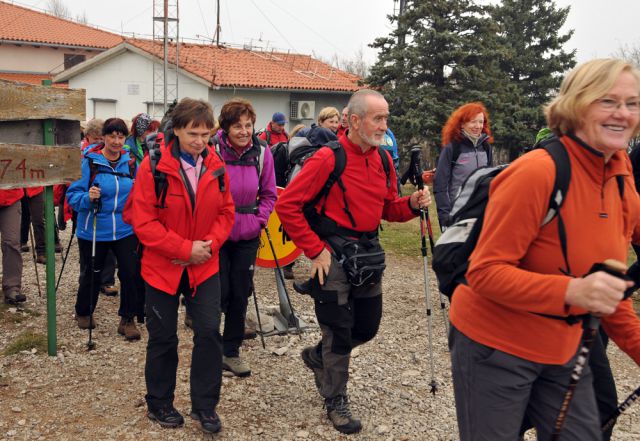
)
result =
(279, 118)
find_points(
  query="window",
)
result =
(71, 60)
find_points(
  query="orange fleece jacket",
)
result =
(514, 269)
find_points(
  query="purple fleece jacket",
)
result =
(243, 183)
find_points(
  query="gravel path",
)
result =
(99, 395)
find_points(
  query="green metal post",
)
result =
(49, 216)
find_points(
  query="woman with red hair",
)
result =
(465, 139)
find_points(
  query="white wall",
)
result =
(128, 78)
(33, 59)
(265, 103)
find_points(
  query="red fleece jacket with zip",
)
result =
(367, 194)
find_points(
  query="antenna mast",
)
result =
(165, 75)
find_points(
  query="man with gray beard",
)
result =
(329, 222)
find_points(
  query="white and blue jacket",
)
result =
(115, 186)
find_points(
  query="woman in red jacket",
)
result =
(511, 357)
(181, 238)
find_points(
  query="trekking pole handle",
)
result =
(95, 203)
(416, 167)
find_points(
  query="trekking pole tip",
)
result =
(434, 387)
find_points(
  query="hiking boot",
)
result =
(339, 413)
(188, 322)
(166, 416)
(24, 248)
(41, 259)
(109, 290)
(236, 365)
(249, 333)
(58, 248)
(128, 328)
(14, 297)
(314, 362)
(209, 420)
(303, 287)
(85, 322)
(288, 272)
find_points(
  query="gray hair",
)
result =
(358, 102)
(94, 127)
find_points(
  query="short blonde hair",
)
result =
(327, 113)
(296, 129)
(581, 87)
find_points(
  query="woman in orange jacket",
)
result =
(510, 359)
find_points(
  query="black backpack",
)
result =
(281, 164)
(452, 250)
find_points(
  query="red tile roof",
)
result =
(18, 23)
(30, 78)
(227, 67)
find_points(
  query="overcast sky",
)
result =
(342, 27)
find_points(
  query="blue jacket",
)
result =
(114, 191)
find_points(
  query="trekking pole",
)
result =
(95, 208)
(416, 179)
(33, 255)
(66, 254)
(590, 325)
(255, 302)
(281, 275)
(621, 408)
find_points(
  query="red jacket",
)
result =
(274, 137)
(342, 130)
(367, 194)
(33, 191)
(168, 233)
(10, 197)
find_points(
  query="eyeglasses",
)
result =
(611, 105)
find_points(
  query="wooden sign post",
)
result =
(29, 117)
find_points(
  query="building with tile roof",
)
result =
(35, 45)
(119, 81)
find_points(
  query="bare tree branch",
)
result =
(58, 8)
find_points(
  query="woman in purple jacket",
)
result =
(252, 183)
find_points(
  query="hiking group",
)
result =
(527, 254)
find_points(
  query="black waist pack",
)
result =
(362, 259)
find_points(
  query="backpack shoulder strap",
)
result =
(455, 149)
(159, 178)
(384, 156)
(268, 136)
(560, 157)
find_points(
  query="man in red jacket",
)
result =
(275, 131)
(182, 233)
(11, 257)
(348, 311)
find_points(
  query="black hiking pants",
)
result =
(237, 261)
(125, 249)
(162, 349)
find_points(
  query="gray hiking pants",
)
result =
(348, 316)
(11, 256)
(494, 391)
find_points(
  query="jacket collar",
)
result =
(355, 148)
(592, 160)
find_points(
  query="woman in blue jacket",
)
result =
(108, 172)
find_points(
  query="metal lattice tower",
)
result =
(166, 32)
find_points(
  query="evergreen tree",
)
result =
(534, 61)
(442, 54)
